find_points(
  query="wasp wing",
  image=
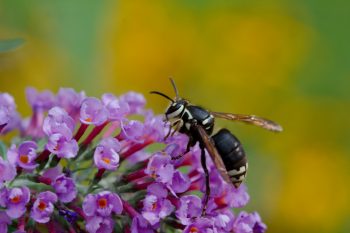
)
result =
(250, 119)
(216, 158)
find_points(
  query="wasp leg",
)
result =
(179, 156)
(168, 134)
(177, 125)
(207, 186)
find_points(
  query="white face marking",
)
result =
(176, 113)
(188, 126)
(237, 172)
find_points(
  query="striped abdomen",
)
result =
(232, 154)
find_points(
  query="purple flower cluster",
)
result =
(64, 186)
(15, 201)
(7, 171)
(98, 209)
(82, 163)
(59, 128)
(9, 118)
(43, 207)
(24, 156)
(106, 154)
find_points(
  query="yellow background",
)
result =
(285, 60)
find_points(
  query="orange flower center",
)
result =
(153, 172)
(88, 119)
(42, 206)
(106, 160)
(24, 158)
(102, 202)
(194, 230)
(15, 199)
(154, 205)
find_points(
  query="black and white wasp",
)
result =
(224, 148)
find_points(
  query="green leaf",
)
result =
(41, 144)
(10, 44)
(3, 150)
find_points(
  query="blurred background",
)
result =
(285, 60)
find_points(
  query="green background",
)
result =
(285, 60)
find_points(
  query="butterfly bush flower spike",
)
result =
(102, 165)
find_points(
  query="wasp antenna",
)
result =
(174, 86)
(161, 94)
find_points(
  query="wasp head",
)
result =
(177, 106)
(176, 109)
